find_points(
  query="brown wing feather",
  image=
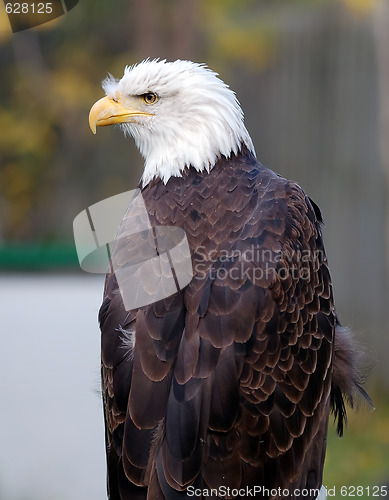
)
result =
(227, 383)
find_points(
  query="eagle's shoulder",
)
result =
(237, 200)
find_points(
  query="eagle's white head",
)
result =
(179, 114)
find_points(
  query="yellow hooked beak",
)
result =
(108, 111)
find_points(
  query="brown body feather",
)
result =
(227, 383)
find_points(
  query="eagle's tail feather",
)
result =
(347, 377)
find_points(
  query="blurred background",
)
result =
(313, 79)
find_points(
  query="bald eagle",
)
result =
(224, 388)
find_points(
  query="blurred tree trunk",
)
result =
(148, 25)
(183, 19)
(381, 29)
(165, 30)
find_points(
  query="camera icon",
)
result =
(150, 262)
(26, 14)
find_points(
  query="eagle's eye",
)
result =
(150, 97)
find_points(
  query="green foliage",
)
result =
(51, 76)
(361, 456)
